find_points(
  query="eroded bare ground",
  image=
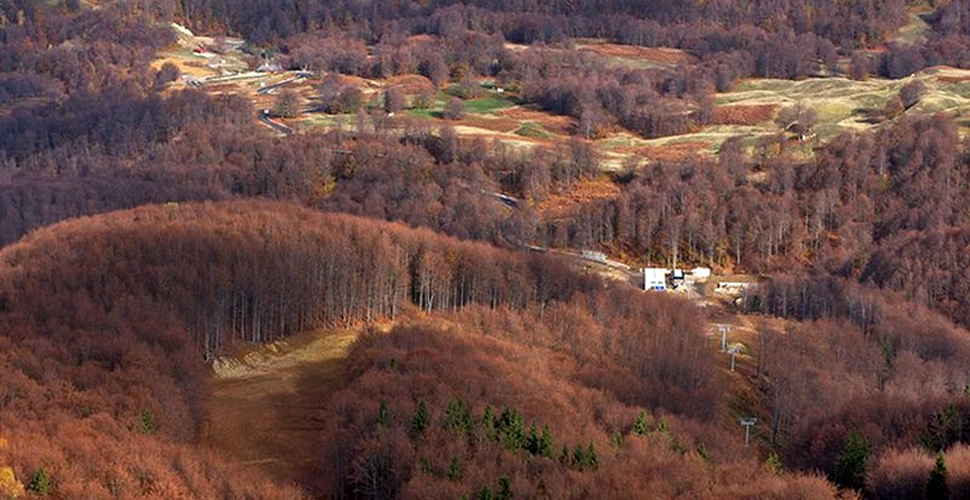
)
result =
(265, 403)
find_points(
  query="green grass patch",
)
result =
(324, 120)
(426, 114)
(617, 142)
(961, 89)
(488, 105)
(533, 129)
(827, 131)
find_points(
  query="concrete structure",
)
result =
(677, 278)
(594, 256)
(701, 273)
(731, 286)
(269, 67)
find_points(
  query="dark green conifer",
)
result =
(484, 494)
(617, 440)
(421, 420)
(592, 460)
(850, 466)
(40, 483)
(426, 467)
(936, 487)
(454, 470)
(489, 425)
(383, 416)
(504, 488)
(512, 429)
(458, 417)
(545, 442)
(564, 455)
(640, 424)
(773, 464)
(146, 422)
(579, 457)
(532, 441)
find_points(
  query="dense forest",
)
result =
(98, 301)
(150, 227)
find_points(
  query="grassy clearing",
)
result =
(840, 104)
(748, 112)
(488, 105)
(427, 114)
(533, 129)
(284, 383)
(324, 120)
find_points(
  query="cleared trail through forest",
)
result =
(265, 402)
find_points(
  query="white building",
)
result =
(655, 278)
(701, 272)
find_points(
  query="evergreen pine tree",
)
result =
(458, 417)
(532, 442)
(40, 483)
(454, 470)
(592, 461)
(421, 420)
(617, 440)
(850, 466)
(489, 426)
(662, 426)
(676, 446)
(513, 429)
(383, 416)
(703, 453)
(146, 422)
(936, 487)
(945, 429)
(504, 488)
(773, 464)
(564, 455)
(579, 457)
(484, 494)
(640, 424)
(545, 442)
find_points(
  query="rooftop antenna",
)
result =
(748, 423)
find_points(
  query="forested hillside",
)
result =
(467, 191)
(524, 339)
(131, 327)
(104, 380)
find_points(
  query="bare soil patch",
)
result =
(411, 84)
(659, 55)
(558, 125)
(586, 191)
(192, 68)
(953, 78)
(421, 39)
(466, 130)
(498, 124)
(673, 151)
